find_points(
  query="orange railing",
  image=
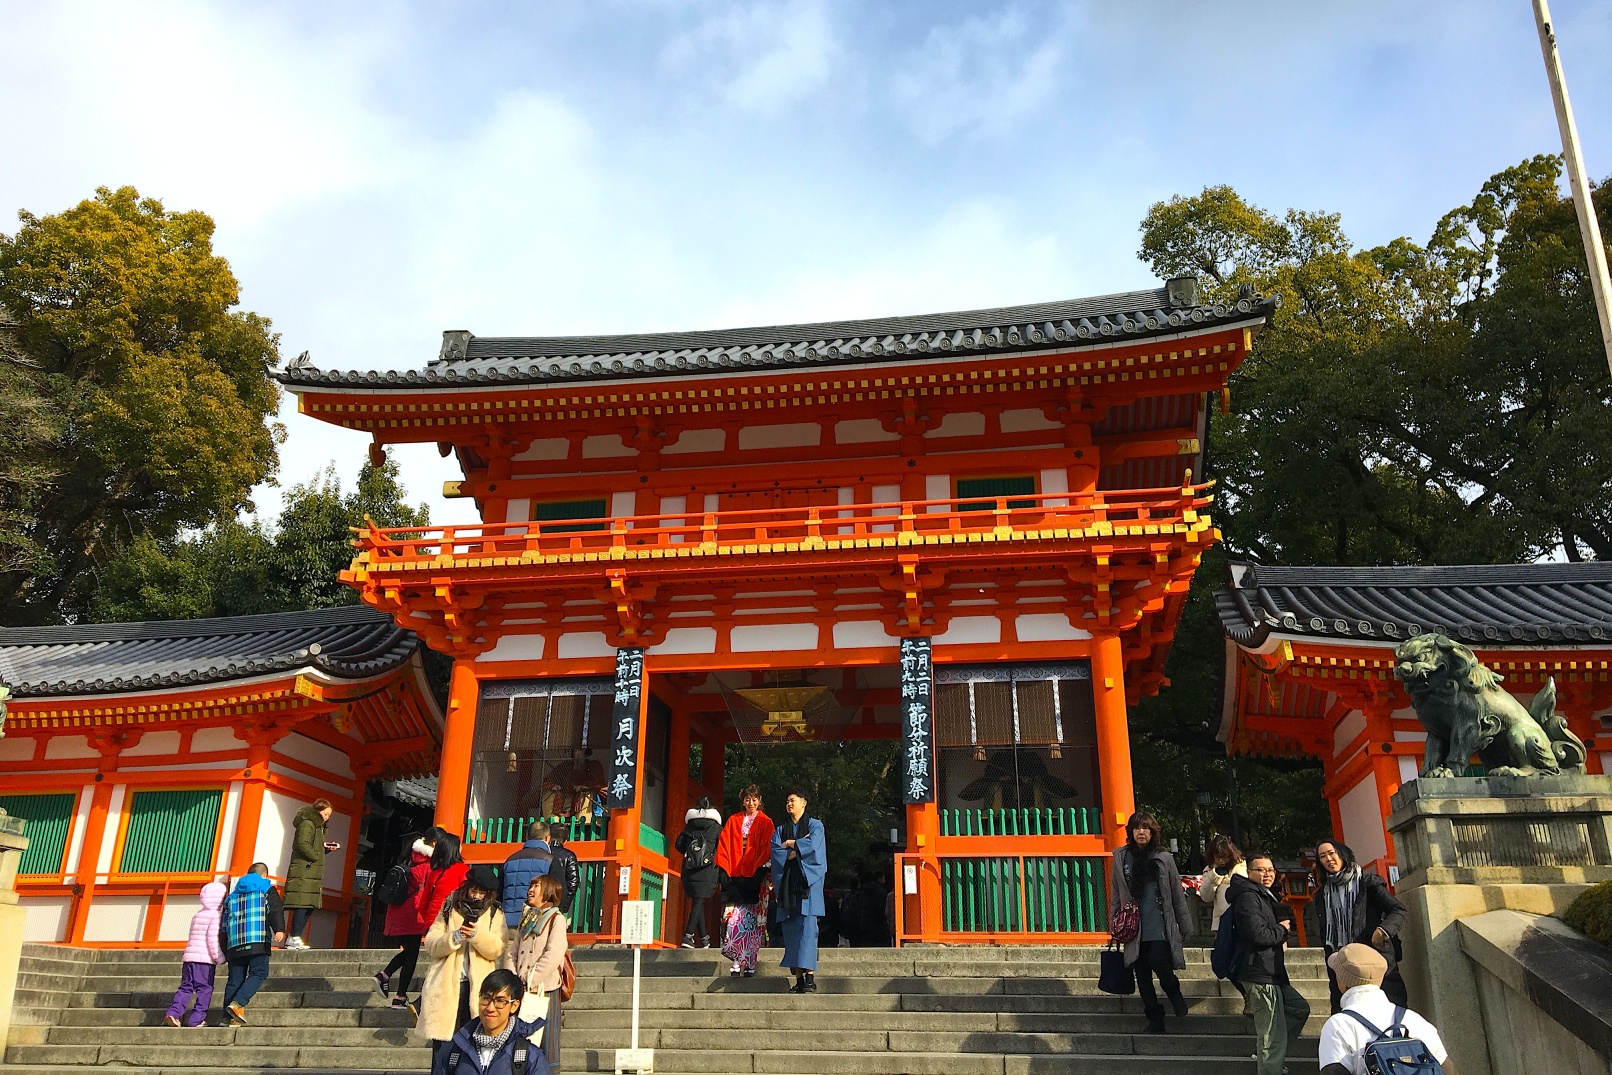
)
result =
(1044, 516)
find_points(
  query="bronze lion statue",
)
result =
(1466, 712)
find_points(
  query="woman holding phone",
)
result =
(465, 943)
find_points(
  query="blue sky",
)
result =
(380, 172)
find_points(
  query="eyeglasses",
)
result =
(497, 1002)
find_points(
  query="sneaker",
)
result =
(688, 941)
(749, 974)
(169, 1020)
(810, 984)
(401, 1004)
(735, 972)
(296, 944)
(799, 986)
(381, 982)
(237, 1015)
(703, 942)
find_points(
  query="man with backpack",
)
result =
(246, 933)
(499, 1042)
(1264, 925)
(1372, 1035)
(535, 859)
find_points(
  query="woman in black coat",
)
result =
(702, 827)
(1355, 907)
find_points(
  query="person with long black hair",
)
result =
(465, 944)
(1146, 877)
(403, 926)
(1354, 906)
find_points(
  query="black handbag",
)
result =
(1113, 976)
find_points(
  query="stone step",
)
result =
(851, 1063)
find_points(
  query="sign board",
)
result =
(624, 881)
(917, 722)
(621, 782)
(909, 879)
(637, 921)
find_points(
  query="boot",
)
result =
(1155, 1021)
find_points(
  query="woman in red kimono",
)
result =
(742, 859)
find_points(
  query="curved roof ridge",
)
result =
(201, 627)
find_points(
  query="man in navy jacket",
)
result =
(523, 867)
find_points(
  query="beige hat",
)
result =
(1357, 964)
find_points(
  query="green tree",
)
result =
(150, 393)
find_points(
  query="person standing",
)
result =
(538, 955)
(465, 943)
(799, 863)
(490, 1044)
(403, 926)
(702, 830)
(535, 859)
(1355, 907)
(1214, 886)
(1367, 1014)
(1264, 927)
(565, 870)
(246, 933)
(1145, 876)
(305, 879)
(743, 857)
(204, 951)
(448, 871)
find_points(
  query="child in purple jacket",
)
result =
(203, 954)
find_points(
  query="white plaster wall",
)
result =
(554, 448)
(623, 504)
(687, 640)
(81, 817)
(884, 494)
(1055, 480)
(69, 746)
(862, 634)
(515, 648)
(518, 510)
(1408, 768)
(47, 916)
(1363, 820)
(794, 435)
(208, 740)
(339, 829)
(109, 838)
(606, 446)
(1023, 421)
(116, 918)
(177, 912)
(1047, 627)
(970, 629)
(673, 505)
(862, 431)
(18, 748)
(226, 834)
(322, 929)
(938, 487)
(959, 425)
(312, 752)
(1351, 725)
(166, 742)
(585, 644)
(301, 777)
(272, 845)
(761, 637)
(696, 440)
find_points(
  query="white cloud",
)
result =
(761, 56)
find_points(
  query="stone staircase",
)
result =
(1029, 1010)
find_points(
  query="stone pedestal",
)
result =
(12, 844)
(1469, 845)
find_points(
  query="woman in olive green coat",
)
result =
(304, 881)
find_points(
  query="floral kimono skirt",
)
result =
(743, 934)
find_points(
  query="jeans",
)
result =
(401, 969)
(299, 919)
(246, 975)
(195, 982)
(1155, 958)
(1279, 1017)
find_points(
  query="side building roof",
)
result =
(346, 643)
(1485, 605)
(532, 360)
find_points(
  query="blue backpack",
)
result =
(1226, 957)
(1394, 1051)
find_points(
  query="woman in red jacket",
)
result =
(743, 860)
(447, 872)
(403, 922)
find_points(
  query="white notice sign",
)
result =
(637, 921)
(909, 879)
(624, 882)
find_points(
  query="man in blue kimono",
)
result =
(799, 862)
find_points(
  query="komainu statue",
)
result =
(1466, 712)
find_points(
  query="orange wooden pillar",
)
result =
(923, 835)
(95, 835)
(678, 801)
(458, 737)
(1113, 736)
(260, 741)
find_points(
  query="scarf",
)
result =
(488, 1043)
(470, 910)
(793, 891)
(533, 920)
(1340, 894)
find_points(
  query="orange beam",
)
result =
(453, 780)
(1113, 736)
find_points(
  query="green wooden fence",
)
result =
(1035, 894)
(652, 886)
(512, 830)
(587, 910)
(171, 831)
(1060, 821)
(48, 818)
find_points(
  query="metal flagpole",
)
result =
(1594, 251)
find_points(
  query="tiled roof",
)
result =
(351, 642)
(469, 359)
(1488, 605)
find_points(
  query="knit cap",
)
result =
(1357, 964)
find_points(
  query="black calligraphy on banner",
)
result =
(621, 783)
(917, 721)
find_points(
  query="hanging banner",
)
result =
(621, 782)
(917, 723)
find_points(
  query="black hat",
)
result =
(483, 877)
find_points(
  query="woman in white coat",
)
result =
(465, 944)
(1226, 862)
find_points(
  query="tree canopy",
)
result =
(1437, 403)
(135, 397)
